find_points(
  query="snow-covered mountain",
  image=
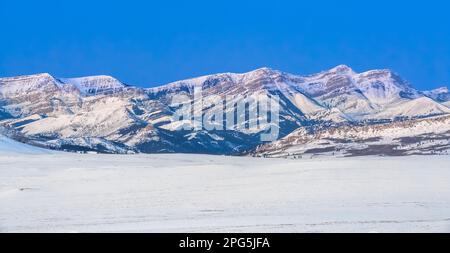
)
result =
(408, 137)
(94, 85)
(102, 114)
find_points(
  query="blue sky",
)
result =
(148, 43)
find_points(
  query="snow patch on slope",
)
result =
(95, 84)
(423, 106)
(101, 119)
(9, 146)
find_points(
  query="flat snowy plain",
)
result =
(62, 192)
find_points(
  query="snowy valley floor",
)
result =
(198, 193)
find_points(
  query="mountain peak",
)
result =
(43, 75)
(379, 72)
(341, 69)
(95, 84)
(264, 69)
(92, 78)
(32, 76)
(441, 94)
(440, 90)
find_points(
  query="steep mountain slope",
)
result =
(359, 96)
(106, 116)
(102, 114)
(38, 94)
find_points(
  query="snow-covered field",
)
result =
(197, 193)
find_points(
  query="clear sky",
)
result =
(148, 43)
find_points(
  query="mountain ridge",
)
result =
(101, 113)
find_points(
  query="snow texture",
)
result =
(199, 193)
(11, 147)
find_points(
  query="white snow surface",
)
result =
(419, 106)
(93, 84)
(200, 193)
(11, 147)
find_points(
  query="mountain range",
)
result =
(335, 112)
